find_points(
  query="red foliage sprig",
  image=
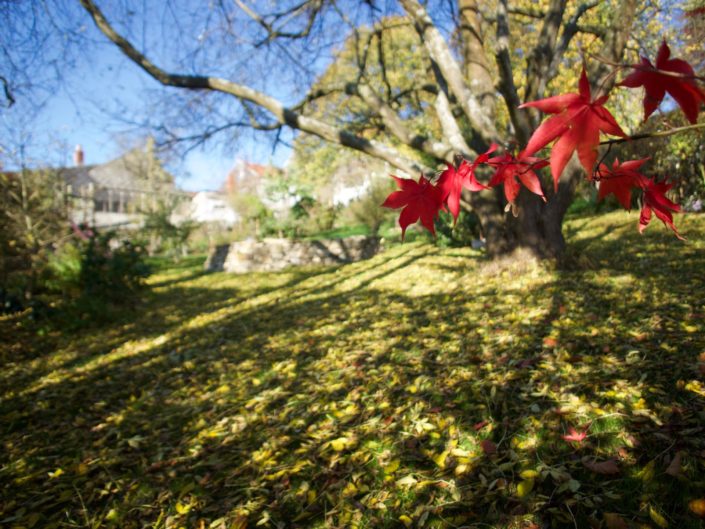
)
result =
(575, 126)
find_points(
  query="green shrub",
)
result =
(63, 273)
(93, 277)
(462, 234)
(33, 221)
(162, 235)
(110, 272)
(367, 209)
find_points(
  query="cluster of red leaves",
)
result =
(575, 126)
(674, 76)
(620, 179)
(424, 200)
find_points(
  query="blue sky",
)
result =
(83, 113)
(103, 89)
(69, 120)
(88, 109)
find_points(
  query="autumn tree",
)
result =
(472, 65)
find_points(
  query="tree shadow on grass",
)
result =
(318, 402)
(162, 310)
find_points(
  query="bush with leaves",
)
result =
(365, 210)
(682, 156)
(95, 274)
(255, 216)
(465, 232)
(164, 235)
(33, 222)
(112, 272)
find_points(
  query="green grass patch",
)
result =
(340, 233)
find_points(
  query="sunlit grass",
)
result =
(424, 387)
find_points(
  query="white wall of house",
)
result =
(212, 207)
(354, 180)
(343, 195)
(106, 219)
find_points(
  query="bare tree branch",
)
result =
(449, 124)
(615, 42)
(273, 33)
(441, 54)
(536, 14)
(613, 49)
(519, 118)
(255, 123)
(570, 29)
(476, 62)
(382, 63)
(658, 134)
(528, 12)
(394, 124)
(8, 93)
(281, 113)
(598, 31)
(538, 63)
(318, 93)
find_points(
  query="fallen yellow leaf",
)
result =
(529, 474)
(657, 518)
(392, 466)
(525, 487)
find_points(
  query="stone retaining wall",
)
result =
(277, 254)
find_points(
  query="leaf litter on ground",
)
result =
(426, 387)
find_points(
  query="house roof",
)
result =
(136, 170)
(246, 177)
(77, 176)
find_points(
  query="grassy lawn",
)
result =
(423, 388)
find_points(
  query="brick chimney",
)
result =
(78, 156)
(230, 182)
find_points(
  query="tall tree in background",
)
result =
(471, 65)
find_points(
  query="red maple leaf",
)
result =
(655, 201)
(577, 125)
(574, 436)
(488, 447)
(620, 179)
(510, 168)
(674, 76)
(420, 200)
(452, 181)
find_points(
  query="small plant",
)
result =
(365, 210)
(112, 271)
(95, 274)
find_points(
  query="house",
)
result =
(118, 193)
(352, 180)
(212, 208)
(247, 178)
(216, 207)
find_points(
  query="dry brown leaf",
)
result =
(602, 467)
(674, 469)
(549, 342)
(488, 447)
(615, 521)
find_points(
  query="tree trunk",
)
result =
(537, 226)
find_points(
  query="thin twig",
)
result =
(642, 68)
(658, 134)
